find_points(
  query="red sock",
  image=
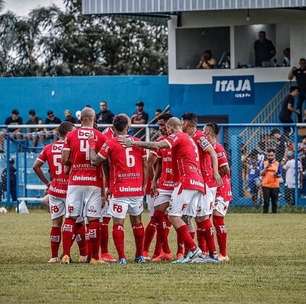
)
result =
(208, 229)
(68, 232)
(55, 238)
(104, 234)
(138, 231)
(94, 240)
(201, 238)
(192, 234)
(221, 234)
(180, 244)
(167, 226)
(118, 237)
(185, 235)
(80, 237)
(159, 216)
(149, 233)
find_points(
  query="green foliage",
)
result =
(54, 42)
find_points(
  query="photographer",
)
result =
(300, 75)
(271, 171)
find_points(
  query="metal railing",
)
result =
(231, 135)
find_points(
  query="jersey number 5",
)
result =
(130, 159)
(57, 162)
(84, 147)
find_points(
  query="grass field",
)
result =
(268, 265)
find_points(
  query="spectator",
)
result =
(158, 113)
(285, 115)
(105, 116)
(140, 117)
(14, 119)
(52, 119)
(207, 61)
(264, 50)
(302, 157)
(12, 181)
(286, 59)
(271, 171)
(300, 75)
(289, 167)
(33, 120)
(69, 117)
(278, 143)
(254, 177)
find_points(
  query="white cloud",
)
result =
(23, 7)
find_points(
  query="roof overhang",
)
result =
(109, 7)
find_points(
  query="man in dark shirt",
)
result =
(140, 117)
(14, 119)
(33, 120)
(52, 119)
(300, 75)
(285, 115)
(264, 50)
(69, 117)
(105, 116)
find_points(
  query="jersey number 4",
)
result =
(84, 147)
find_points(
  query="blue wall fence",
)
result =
(122, 92)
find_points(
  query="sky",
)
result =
(22, 7)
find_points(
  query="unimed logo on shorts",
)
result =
(233, 90)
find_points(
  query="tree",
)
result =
(55, 42)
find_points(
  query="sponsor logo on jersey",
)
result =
(84, 178)
(196, 183)
(57, 148)
(84, 134)
(130, 189)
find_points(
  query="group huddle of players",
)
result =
(98, 176)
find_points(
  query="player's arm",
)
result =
(128, 142)
(157, 174)
(37, 168)
(224, 170)
(145, 173)
(65, 157)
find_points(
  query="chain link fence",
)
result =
(247, 146)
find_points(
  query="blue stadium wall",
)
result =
(60, 93)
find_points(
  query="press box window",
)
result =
(192, 44)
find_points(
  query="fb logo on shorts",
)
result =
(54, 209)
(91, 209)
(70, 209)
(117, 208)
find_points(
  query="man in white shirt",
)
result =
(289, 167)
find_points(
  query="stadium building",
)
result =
(229, 28)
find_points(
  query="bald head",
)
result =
(174, 124)
(88, 117)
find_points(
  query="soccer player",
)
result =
(162, 188)
(106, 217)
(212, 179)
(128, 167)
(57, 187)
(84, 194)
(224, 192)
(189, 181)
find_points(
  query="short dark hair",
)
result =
(271, 150)
(15, 111)
(32, 112)
(158, 110)
(262, 32)
(190, 117)
(64, 128)
(302, 59)
(120, 122)
(165, 116)
(215, 128)
(275, 131)
(293, 88)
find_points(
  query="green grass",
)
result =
(268, 265)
